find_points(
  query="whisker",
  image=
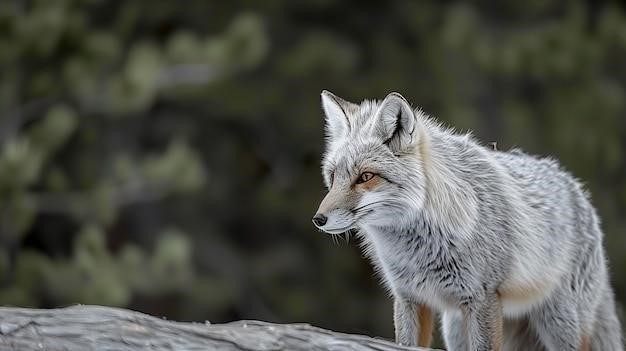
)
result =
(387, 204)
(349, 233)
(367, 205)
(366, 209)
(360, 214)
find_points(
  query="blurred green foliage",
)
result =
(164, 155)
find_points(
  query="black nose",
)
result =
(319, 220)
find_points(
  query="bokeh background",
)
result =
(164, 155)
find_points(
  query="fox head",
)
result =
(372, 167)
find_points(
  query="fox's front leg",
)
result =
(483, 323)
(413, 323)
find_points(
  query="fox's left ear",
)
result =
(337, 112)
(395, 123)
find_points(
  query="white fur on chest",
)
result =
(387, 254)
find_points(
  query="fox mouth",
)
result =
(336, 230)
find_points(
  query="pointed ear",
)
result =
(336, 110)
(395, 123)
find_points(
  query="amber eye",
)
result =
(365, 177)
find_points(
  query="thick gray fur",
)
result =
(478, 235)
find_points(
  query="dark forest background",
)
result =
(164, 155)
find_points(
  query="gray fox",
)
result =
(505, 246)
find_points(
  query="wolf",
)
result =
(505, 246)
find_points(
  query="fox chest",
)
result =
(418, 271)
